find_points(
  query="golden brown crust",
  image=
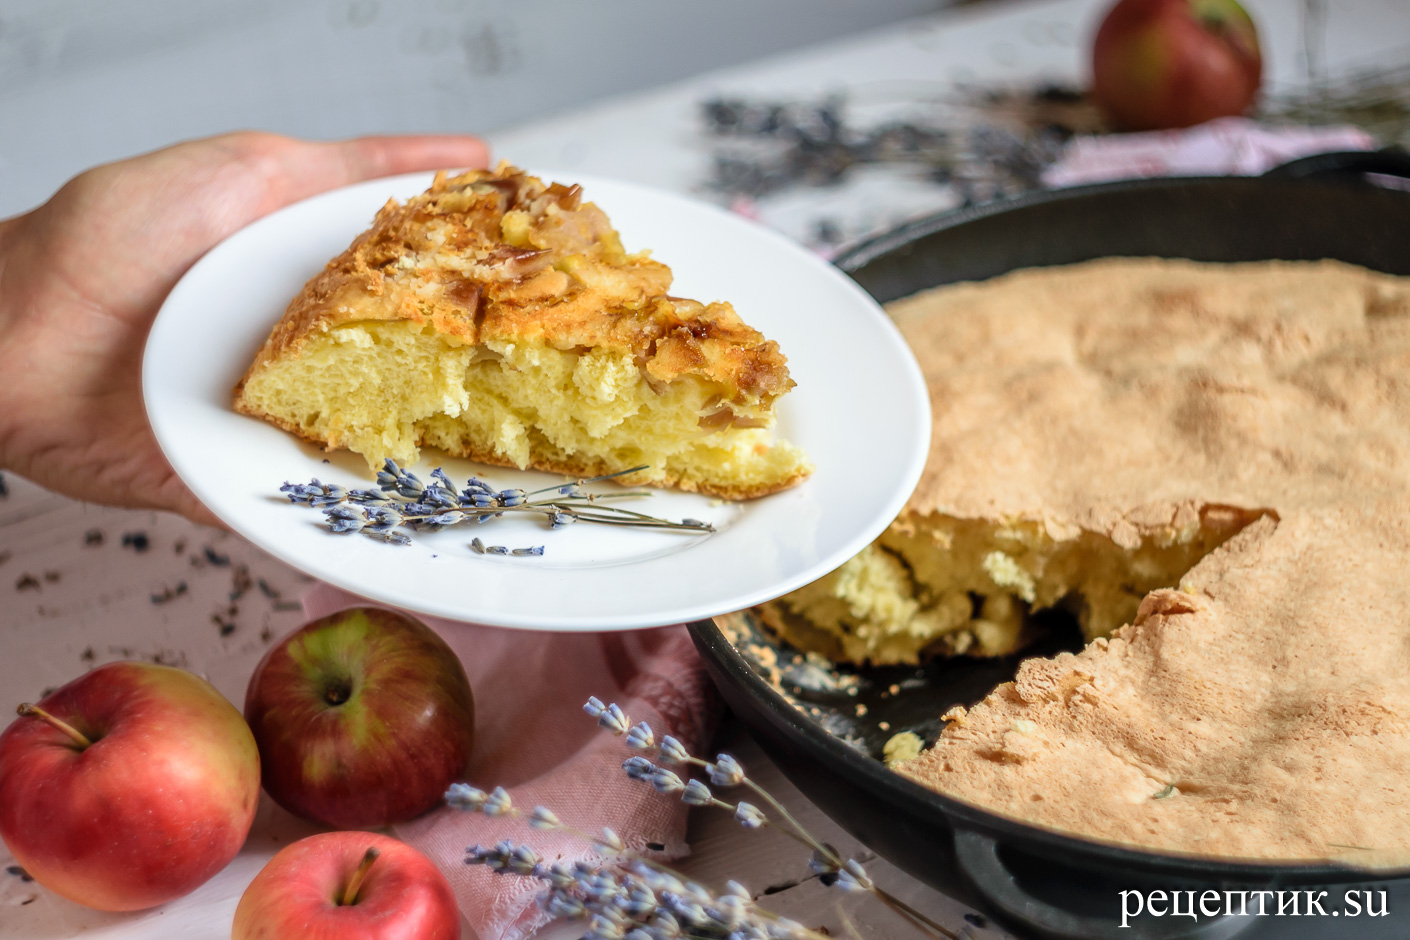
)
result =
(1263, 708)
(497, 256)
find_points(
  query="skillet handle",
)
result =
(978, 858)
(1345, 164)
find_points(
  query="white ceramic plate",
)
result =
(860, 410)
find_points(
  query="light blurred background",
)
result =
(82, 81)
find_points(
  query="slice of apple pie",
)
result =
(500, 319)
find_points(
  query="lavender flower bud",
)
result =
(667, 783)
(638, 767)
(696, 794)
(728, 911)
(522, 860)
(385, 516)
(655, 879)
(665, 924)
(614, 720)
(673, 752)
(696, 523)
(483, 501)
(594, 706)
(499, 803)
(853, 877)
(737, 890)
(688, 911)
(440, 497)
(640, 901)
(556, 874)
(601, 928)
(409, 485)
(463, 796)
(447, 518)
(725, 771)
(477, 546)
(298, 492)
(639, 933)
(559, 519)
(543, 818)
(611, 841)
(570, 489)
(600, 886)
(476, 854)
(496, 550)
(565, 906)
(498, 857)
(820, 864)
(640, 736)
(332, 493)
(749, 816)
(533, 550)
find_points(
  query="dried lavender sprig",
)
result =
(726, 771)
(403, 499)
(630, 896)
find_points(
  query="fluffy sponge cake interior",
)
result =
(384, 388)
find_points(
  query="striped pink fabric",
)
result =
(533, 739)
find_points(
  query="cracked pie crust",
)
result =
(499, 318)
(1210, 466)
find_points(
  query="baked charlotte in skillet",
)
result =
(500, 319)
(1216, 456)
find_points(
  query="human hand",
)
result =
(82, 277)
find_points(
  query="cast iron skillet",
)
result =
(1034, 880)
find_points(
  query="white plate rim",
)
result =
(912, 397)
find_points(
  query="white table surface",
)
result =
(75, 596)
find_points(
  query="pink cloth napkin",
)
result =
(1228, 146)
(533, 739)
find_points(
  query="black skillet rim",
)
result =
(937, 808)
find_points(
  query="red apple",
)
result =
(331, 887)
(1175, 63)
(363, 718)
(128, 787)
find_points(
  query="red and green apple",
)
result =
(1175, 63)
(348, 886)
(363, 718)
(128, 787)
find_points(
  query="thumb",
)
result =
(295, 169)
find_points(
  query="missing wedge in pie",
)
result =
(499, 318)
(937, 585)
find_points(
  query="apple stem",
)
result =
(27, 710)
(350, 895)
